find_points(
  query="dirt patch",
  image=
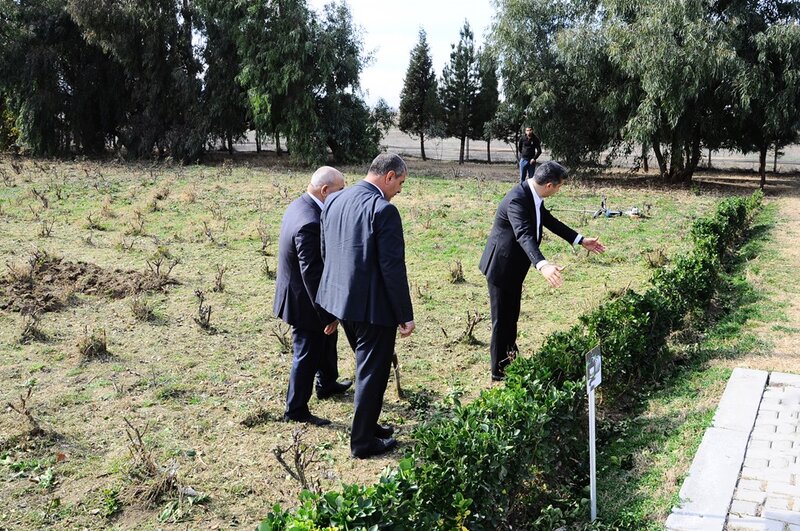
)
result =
(45, 284)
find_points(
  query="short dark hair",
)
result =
(550, 172)
(386, 162)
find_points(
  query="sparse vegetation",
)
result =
(203, 318)
(93, 347)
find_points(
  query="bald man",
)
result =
(314, 331)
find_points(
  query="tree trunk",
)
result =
(467, 148)
(662, 164)
(461, 153)
(645, 158)
(488, 151)
(709, 157)
(278, 149)
(258, 142)
(422, 145)
(775, 161)
(762, 165)
(230, 143)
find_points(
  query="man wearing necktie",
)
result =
(513, 246)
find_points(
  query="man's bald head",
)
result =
(325, 181)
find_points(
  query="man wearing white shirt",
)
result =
(512, 248)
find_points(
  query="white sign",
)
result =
(594, 365)
(594, 368)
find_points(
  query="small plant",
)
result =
(269, 273)
(92, 223)
(125, 245)
(216, 210)
(30, 330)
(46, 228)
(219, 285)
(93, 347)
(263, 235)
(162, 263)
(283, 334)
(21, 272)
(137, 223)
(473, 318)
(7, 178)
(110, 503)
(42, 197)
(209, 234)
(152, 481)
(302, 458)
(203, 318)
(258, 417)
(24, 409)
(655, 258)
(456, 272)
(141, 308)
(189, 195)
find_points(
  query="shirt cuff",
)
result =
(578, 240)
(540, 264)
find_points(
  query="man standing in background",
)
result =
(530, 147)
(314, 330)
(365, 284)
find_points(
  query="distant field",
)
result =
(194, 388)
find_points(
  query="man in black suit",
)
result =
(299, 270)
(513, 246)
(365, 284)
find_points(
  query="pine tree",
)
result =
(486, 101)
(459, 88)
(419, 99)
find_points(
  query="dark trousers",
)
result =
(505, 305)
(526, 169)
(313, 351)
(374, 346)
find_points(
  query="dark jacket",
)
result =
(300, 267)
(513, 245)
(364, 278)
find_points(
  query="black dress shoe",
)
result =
(334, 389)
(310, 419)
(383, 432)
(378, 447)
(498, 377)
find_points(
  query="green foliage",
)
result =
(420, 110)
(459, 88)
(515, 457)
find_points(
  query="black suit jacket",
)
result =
(300, 267)
(513, 245)
(364, 278)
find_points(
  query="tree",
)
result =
(486, 101)
(419, 99)
(224, 98)
(459, 88)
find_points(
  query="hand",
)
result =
(406, 328)
(593, 245)
(331, 327)
(552, 273)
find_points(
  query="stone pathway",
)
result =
(746, 473)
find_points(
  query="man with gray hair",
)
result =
(314, 331)
(513, 246)
(365, 284)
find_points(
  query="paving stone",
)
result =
(742, 507)
(775, 502)
(767, 474)
(753, 524)
(784, 488)
(759, 444)
(789, 517)
(751, 485)
(786, 428)
(776, 462)
(757, 496)
(756, 462)
(782, 445)
(695, 522)
(784, 378)
(765, 428)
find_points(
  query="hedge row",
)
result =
(516, 456)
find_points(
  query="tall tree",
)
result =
(224, 98)
(420, 109)
(459, 88)
(486, 101)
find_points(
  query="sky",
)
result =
(391, 30)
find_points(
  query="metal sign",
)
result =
(594, 365)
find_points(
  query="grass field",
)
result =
(208, 401)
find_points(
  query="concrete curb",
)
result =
(707, 491)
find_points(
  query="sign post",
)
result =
(593, 379)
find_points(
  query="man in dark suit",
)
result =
(513, 246)
(365, 284)
(299, 270)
